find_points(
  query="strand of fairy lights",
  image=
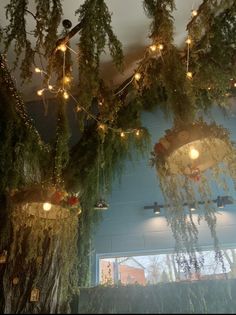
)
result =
(67, 94)
(189, 74)
(154, 48)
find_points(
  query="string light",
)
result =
(65, 95)
(62, 47)
(194, 13)
(137, 76)
(189, 41)
(234, 84)
(189, 75)
(153, 48)
(37, 70)
(66, 79)
(40, 92)
(102, 126)
(161, 47)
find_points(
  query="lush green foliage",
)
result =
(89, 167)
(203, 297)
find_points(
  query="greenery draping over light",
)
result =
(159, 81)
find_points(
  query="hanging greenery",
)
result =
(182, 82)
(197, 297)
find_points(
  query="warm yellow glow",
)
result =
(137, 132)
(235, 84)
(47, 206)
(193, 154)
(65, 95)
(66, 79)
(122, 134)
(188, 41)
(209, 88)
(40, 92)
(37, 70)
(78, 109)
(62, 47)
(50, 87)
(102, 126)
(153, 48)
(160, 46)
(194, 13)
(189, 75)
(137, 76)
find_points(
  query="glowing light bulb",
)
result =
(122, 134)
(161, 47)
(47, 206)
(65, 95)
(189, 75)
(194, 13)
(209, 88)
(66, 79)
(235, 84)
(189, 41)
(193, 154)
(37, 70)
(137, 132)
(153, 48)
(50, 87)
(62, 47)
(102, 126)
(78, 109)
(40, 92)
(137, 76)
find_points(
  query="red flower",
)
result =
(72, 201)
(195, 174)
(57, 197)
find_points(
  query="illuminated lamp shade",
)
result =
(197, 146)
(36, 202)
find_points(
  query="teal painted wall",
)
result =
(127, 228)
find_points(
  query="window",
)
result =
(159, 268)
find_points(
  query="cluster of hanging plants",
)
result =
(187, 87)
(108, 121)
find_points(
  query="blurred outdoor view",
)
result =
(162, 268)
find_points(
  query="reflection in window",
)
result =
(161, 268)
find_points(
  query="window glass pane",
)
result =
(159, 268)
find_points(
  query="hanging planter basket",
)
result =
(191, 149)
(46, 202)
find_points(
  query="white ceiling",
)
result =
(131, 26)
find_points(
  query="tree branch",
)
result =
(65, 39)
